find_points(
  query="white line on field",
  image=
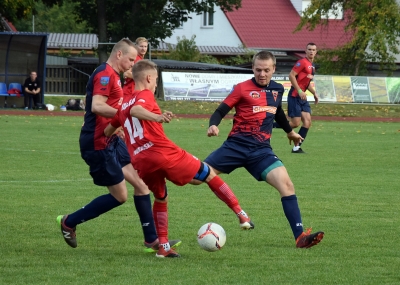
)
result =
(44, 181)
(46, 151)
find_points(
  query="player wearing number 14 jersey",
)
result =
(157, 158)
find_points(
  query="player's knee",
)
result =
(121, 197)
(141, 191)
(294, 124)
(307, 123)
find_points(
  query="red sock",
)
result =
(160, 213)
(224, 193)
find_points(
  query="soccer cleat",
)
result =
(153, 247)
(161, 253)
(247, 225)
(69, 234)
(307, 239)
(298, 151)
(244, 220)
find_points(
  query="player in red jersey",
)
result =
(258, 102)
(108, 160)
(129, 83)
(142, 120)
(299, 109)
(142, 45)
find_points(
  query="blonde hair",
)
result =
(123, 46)
(141, 39)
(141, 68)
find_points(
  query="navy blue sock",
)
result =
(292, 213)
(303, 132)
(98, 206)
(145, 212)
(276, 125)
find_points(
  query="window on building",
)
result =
(208, 18)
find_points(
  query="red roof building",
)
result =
(262, 24)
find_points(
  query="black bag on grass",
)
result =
(75, 104)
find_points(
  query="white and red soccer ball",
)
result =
(211, 237)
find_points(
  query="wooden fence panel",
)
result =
(67, 80)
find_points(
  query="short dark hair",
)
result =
(311, 44)
(264, 55)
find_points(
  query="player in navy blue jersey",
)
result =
(108, 159)
(258, 102)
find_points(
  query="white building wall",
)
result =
(220, 34)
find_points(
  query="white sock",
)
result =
(165, 246)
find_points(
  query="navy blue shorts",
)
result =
(106, 165)
(296, 106)
(232, 155)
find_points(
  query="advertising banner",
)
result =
(200, 86)
(210, 86)
(324, 88)
(377, 87)
(360, 89)
(393, 89)
(343, 89)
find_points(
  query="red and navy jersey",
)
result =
(305, 70)
(104, 81)
(255, 108)
(144, 138)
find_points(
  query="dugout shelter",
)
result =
(21, 53)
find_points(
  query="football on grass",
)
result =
(211, 237)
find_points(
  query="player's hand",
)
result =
(212, 131)
(316, 98)
(303, 95)
(165, 117)
(295, 137)
(120, 133)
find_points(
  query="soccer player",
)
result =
(108, 159)
(299, 109)
(141, 44)
(257, 102)
(157, 158)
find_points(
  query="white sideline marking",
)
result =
(44, 181)
(33, 150)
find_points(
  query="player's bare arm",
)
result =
(101, 108)
(143, 114)
(293, 81)
(312, 90)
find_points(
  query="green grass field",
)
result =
(347, 185)
(322, 109)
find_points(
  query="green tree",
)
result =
(155, 19)
(13, 10)
(54, 19)
(375, 29)
(186, 50)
